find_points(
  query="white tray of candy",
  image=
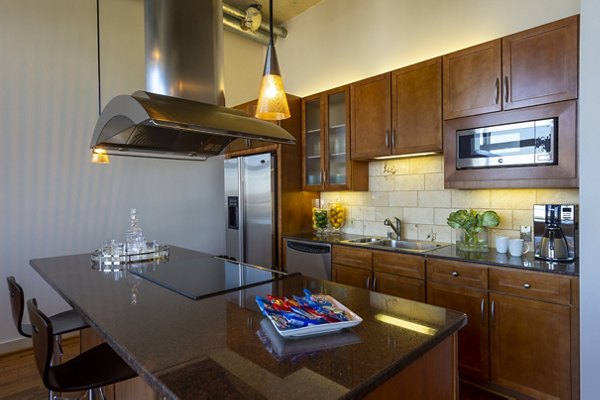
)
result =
(295, 322)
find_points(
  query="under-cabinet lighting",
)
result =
(428, 153)
(402, 323)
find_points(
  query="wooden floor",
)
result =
(20, 380)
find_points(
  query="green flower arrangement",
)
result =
(472, 222)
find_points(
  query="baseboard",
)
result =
(15, 345)
(25, 343)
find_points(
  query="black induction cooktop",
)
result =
(204, 276)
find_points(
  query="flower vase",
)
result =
(472, 241)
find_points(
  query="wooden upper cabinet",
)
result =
(399, 112)
(533, 67)
(240, 145)
(326, 144)
(540, 65)
(417, 108)
(370, 117)
(472, 80)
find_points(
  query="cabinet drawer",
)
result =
(399, 264)
(556, 289)
(399, 286)
(357, 277)
(358, 258)
(457, 273)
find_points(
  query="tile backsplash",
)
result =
(412, 189)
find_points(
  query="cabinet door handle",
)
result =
(493, 312)
(387, 138)
(393, 138)
(526, 285)
(454, 273)
(497, 91)
(482, 310)
(506, 88)
(368, 281)
(375, 283)
(322, 177)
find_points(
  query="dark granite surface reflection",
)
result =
(491, 257)
(219, 346)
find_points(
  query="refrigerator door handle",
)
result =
(242, 208)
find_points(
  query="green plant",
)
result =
(472, 222)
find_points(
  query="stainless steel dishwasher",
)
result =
(308, 258)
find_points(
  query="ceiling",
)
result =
(284, 9)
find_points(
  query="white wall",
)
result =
(340, 41)
(53, 201)
(589, 142)
(244, 63)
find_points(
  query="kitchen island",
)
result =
(220, 346)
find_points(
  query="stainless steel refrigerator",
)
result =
(250, 201)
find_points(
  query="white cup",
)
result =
(517, 247)
(501, 244)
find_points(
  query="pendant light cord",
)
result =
(271, 22)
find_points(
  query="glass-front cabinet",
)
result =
(326, 147)
(337, 116)
(313, 143)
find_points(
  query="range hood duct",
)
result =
(181, 115)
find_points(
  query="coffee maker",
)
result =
(556, 231)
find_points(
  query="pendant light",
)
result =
(272, 101)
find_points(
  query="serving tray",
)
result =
(330, 327)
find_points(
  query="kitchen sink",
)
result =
(411, 245)
(365, 240)
(407, 245)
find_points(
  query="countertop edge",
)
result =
(527, 262)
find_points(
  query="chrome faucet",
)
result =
(395, 227)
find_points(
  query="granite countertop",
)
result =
(222, 347)
(491, 257)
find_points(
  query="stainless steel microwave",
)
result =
(525, 143)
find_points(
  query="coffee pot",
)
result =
(551, 241)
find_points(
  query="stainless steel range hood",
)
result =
(181, 116)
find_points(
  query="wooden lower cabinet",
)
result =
(401, 275)
(522, 329)
(396, 274)
(530, 346)
(400, 286)
(473, 339)
(351, 276)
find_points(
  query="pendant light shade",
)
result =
(272, 101)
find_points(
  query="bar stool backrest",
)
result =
(17, 304)
(43, 337)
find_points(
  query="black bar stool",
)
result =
(64, 322)
(94, 368)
